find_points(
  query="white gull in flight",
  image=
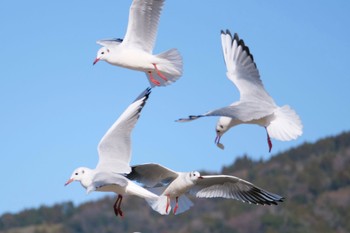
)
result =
(255, 106)
(114, 152)
(135, 51)
(172, 186)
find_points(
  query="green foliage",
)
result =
(314, 178)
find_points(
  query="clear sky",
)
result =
(56, 106)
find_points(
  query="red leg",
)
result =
(176, 205)
(167, 204)
(157, 83)
(116, 207)
(119, 209)
(159, 73)
(269, 140)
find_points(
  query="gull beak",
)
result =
(96, 60)
(69, 181)
(217, 139)
(200, 177)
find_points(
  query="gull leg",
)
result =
(167, 203)
(268, 140)
(176, 205)
(159, 73)
(116, 207)
(155, 82)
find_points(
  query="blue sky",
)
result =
(55, 106)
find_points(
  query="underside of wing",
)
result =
(232, 187)
(115, 147)
(152, 175)
(103, 179)
(241, 68)
(242, 111)
(143, 24)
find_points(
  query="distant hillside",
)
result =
(314, 178)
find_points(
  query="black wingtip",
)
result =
(240, 42)
(148, 91)
(227, 32)
(145, 94)
(189, 118)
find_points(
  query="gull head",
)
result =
(81, 174)
(102, 54)
(194, 176)
(223, 124)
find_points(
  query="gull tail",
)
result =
(170, 66)
(159, 205)
(184, 204)
(286, 126)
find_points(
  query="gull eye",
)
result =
(76, 173)
(221, 126)
(102, 52)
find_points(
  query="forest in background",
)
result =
(314, 178)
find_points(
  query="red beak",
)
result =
(200, 177)
(68, 182)
(96, 60)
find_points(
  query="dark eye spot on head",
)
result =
(221, 126)
(83, 171)
(102, 52)
(76, 173)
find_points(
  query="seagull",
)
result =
(114, 152)
(174, 185)
(135, 50)
(255, 106)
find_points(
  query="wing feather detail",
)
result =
(231, 187)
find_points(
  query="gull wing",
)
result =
(114, 148)
(233, 188)
(143, 24)
(243, 111)
(108, 43)
(242, 70)
(102, 179)
(152, 175)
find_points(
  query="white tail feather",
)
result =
(159, 204)
(286, 125)
(184, 204)
(170, 66)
